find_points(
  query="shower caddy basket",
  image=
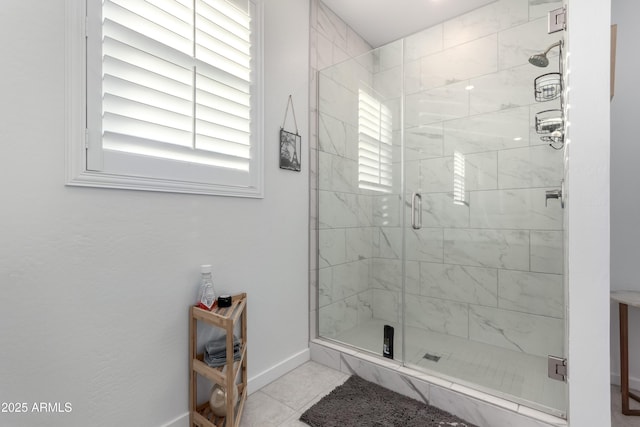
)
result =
(549, 124)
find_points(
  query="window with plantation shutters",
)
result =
(374, 144)
(173, 102)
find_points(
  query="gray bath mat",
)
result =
(360, 403)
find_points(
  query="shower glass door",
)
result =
(360, 262)
(484, 282)
(433, 216)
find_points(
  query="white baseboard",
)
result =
(634, 383)
(276, 371)
(181, 421)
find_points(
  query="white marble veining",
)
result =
(487, 248)
(439, 210)
(412, 277)
(474, 285)
(436, 175)
(424, 244)
(332, 247)
(341, 173)
(358, 243)
(439, 175)
(423, 142)
(528, 333)
(515, 209)
(350, 278)
(325, 286)
(480, 414)
(459, 63)
(348, 72)
(434, 314)
(333, 136)
(509, 88)
(413, 176)
(365, 306)
(323, 48)
(386, 274)
(331, 26)
(485, 20)
(547, 251)
(530, 167)
(488, 132)
(386, 305)
(344, 210)
(337, 100)
(480, 171)
(342, 281)
(387, 243)
(388, 377)
(337, 317)
(528, 292)
(436, 105)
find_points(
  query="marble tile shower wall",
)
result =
(343, 250)
(488, 269)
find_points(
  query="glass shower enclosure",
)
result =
(434, 218)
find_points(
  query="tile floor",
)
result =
(281, 403)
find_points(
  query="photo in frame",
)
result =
(290, 146)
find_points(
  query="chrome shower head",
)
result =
(540, 59)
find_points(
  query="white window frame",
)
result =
(78, 25)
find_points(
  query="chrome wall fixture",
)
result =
(549, 124)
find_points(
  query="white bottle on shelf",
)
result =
(206, 296)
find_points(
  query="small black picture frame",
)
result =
(290, 146)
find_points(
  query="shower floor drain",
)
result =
(431, 357)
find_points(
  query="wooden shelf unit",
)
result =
(226, 376)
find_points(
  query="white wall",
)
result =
(588, 212)
(96, 284)
(625, 198)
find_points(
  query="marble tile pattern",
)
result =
(486, 266)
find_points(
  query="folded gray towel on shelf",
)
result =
(215, 351)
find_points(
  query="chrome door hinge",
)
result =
(86, 139)
(557, 20)
(557, 368)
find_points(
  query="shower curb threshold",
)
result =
(475, 406)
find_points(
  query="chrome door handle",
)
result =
(416, 202)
